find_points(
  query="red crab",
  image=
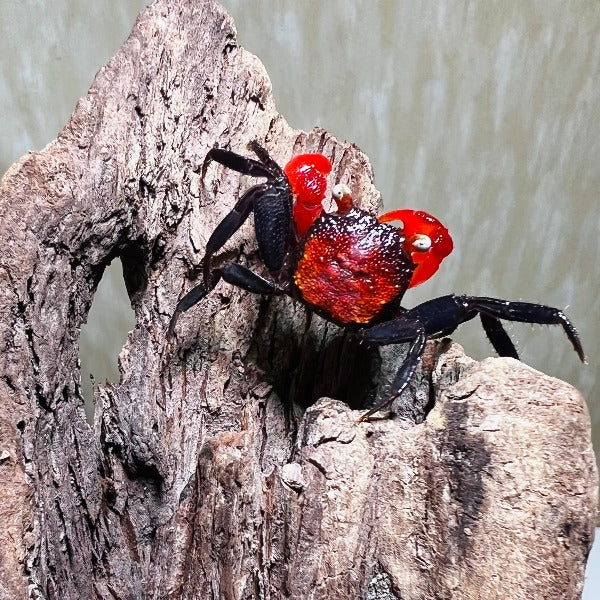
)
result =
(349, 266)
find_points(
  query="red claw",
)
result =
(307, 174)
(427, 241)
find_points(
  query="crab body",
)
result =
(349, 266)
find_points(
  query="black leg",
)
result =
(395, 332)
(190, 299)
(526, 312)
(230, 224)
(239, 163)
(445, 314)
(405, 373)
(232, 273)
(271, 203)
(265, 159)
(249, 280)
(441, 316)
(498, 337)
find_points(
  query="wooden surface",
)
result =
(216, 471)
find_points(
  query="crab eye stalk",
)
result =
(307, 175)
(427, 241)
(343, 197)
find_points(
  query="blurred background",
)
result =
(486, 114)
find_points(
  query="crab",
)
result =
(348, 266)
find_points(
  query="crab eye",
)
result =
(421, 242)
(339, 191)
(342, 196)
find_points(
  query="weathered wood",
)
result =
(205, 475)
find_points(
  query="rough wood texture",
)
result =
(204, 475)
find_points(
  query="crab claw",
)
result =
(427, 241)
(343, 197)
(307, 174)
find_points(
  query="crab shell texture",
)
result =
(350, 266)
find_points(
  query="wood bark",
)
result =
(225, 469)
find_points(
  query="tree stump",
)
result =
(225, 469)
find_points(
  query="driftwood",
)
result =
(221, 470)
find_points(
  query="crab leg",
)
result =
(523, 312)
(232, 273)
(396, 332)
(230, 224)
(441, 316)
(497, 336)
(237, 162)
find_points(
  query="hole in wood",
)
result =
(102, 337)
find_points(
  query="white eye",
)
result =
(339, 191)
(421, 242)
